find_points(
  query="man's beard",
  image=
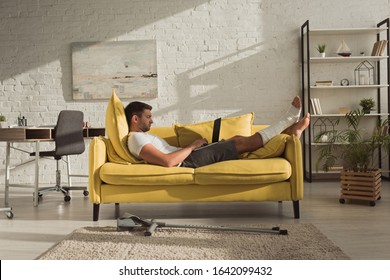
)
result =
(145, 128)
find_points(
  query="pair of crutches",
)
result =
(129, 222)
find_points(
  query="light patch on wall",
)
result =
(226, 60)
(128, 66)
(198, 90)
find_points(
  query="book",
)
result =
(335, 168)
(324, 83)
(383, 47)
(316, 106)
(379, 48)
(313, 106)
(375, 48)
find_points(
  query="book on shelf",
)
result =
(316, 106)
(324, 83)
(382, 47)
(335, 168)
(379, 48)
(313, 106)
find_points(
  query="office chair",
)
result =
(69, 140)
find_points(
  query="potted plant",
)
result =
(351, 145)
(2, 119)
(356, 151)
(367, 104)
(321, 49)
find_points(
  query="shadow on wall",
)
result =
(56, 26)
(230, 80)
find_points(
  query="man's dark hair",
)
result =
(135, 108)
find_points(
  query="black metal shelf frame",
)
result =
(306, 91)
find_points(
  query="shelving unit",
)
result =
(335, 68)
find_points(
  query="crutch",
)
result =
(129, 222)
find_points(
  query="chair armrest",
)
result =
(97, 157)
(293, 153)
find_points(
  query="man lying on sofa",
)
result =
(156, 150)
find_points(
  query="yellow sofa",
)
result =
(273, 173)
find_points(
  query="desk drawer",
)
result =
(23, 134)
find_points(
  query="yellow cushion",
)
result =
(113, 156)
(231, 126)
(145, 175)
(165, 132)
(236, 172)
(117, 128)
(274, 148)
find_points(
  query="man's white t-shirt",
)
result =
(137, 140)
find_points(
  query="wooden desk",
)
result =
(25, 134)
(35, 135)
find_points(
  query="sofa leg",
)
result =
(117, 210)
(96, 208)
(296, 209)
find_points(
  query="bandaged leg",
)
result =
(288, 119)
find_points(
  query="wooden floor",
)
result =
(360, 230)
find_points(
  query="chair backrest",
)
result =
(68, 137)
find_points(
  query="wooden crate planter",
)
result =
(361, 185)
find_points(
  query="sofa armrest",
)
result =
(97, 157)
(293, 153)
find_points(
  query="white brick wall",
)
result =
(215, 58)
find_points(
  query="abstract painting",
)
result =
(128, 66)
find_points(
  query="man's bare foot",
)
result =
(295, 110)
(297, 128)
(296, 102)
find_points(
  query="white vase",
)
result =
(322, 54)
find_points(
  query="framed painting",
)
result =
(128, 66)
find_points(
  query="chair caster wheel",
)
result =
(342, 200)
(372, 203)
(9, 214)
(67, 198)
(85, 193)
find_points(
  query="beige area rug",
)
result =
(304, 241)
